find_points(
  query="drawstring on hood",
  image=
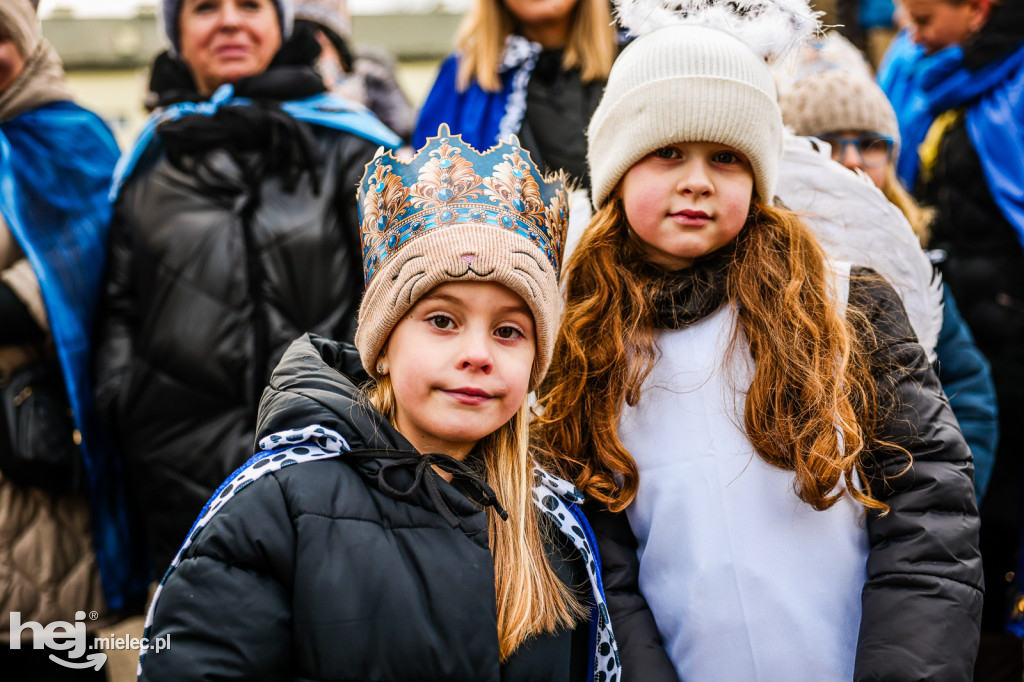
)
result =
(476, 490)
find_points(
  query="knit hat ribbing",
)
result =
(170, 10)
(836, 100)
(685, 83)
(453, 214)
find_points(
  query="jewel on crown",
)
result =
(449, 183)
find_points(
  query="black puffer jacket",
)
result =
(336, 569)
(921, 605)
(213, 269)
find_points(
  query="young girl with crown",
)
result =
(405, 531)
(779, 487)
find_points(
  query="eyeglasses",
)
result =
(875, 150)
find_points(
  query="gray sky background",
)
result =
(118, 8)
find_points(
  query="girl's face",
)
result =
(11, 63)
(544, 21)
(225, 40)
(687, 200)
(460, 364)
(937, 24)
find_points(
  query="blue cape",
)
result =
(921, 87)
(474, 113)
(322, 110)
(55, 168)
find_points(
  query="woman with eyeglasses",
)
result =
(853, 115)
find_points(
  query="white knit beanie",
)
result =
(170, 11)
(685, 83)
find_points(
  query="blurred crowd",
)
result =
(149, 292)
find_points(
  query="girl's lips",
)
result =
(469, 396)
(690, 218)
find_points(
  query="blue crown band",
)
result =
(449, 183)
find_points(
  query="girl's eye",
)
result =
(667, 153)
(727, 157)
(508, 333)
(441, 322)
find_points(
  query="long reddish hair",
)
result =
(811, 406)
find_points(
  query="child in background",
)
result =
(798, 495)
(406, 533)
(852, 114)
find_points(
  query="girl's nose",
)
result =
(695, 178)
(475, 353)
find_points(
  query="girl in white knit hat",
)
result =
(779, 487)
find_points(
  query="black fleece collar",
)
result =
(684, 297)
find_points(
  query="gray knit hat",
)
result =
(170, 10)
(453, 214)
(835, 100)
(331, 14)
(685, 83)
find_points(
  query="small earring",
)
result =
(380, 368)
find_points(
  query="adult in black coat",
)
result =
(234, 232)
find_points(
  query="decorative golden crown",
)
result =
(449, 183)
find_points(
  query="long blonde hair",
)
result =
(530, 598)
(811, 407)
(919, 217)
(591, 46)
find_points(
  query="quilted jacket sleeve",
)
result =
(922, 600)
(224, 612)
(641, 648)
(115, 321)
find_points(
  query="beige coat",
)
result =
(48, 568)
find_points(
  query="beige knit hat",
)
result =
(685, 83)
(453, 214)
(835, 100)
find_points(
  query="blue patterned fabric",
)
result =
(449, 183)
(55, 167)
(922, 86)
(322, 110)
